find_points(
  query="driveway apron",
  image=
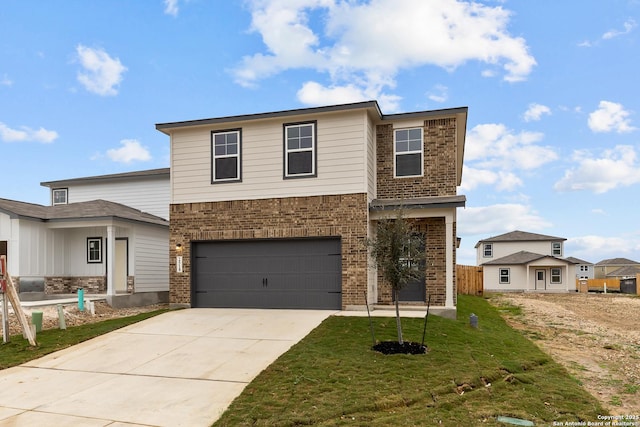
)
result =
(182, 368)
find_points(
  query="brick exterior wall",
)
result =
(434, 230)
(439, 177)
(319, 216)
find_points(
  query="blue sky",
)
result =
(553, 136)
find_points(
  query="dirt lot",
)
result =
(75, 317)
(595, 336)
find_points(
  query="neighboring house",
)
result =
(584, 269)
(273, 210)
(628, 272)
(522, 261)
(101, 246)
(607, 266)
(147, 191)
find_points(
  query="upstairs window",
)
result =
(300, 150)
(59, 196)
(225, 163)
(408, 151)
(488, 250)
(556, 249)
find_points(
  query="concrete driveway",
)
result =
(182, 368)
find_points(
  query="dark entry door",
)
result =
(300, 273)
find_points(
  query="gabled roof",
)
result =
(521, 258)
(629, 270)
(616, 261)
(577, 260)
(92, 210)
(521, 236)
(145, 174)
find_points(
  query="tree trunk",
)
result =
(398, 323)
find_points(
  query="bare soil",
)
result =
(74, 317)
(596, 337)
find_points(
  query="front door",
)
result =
(541, 281)
(120, 276)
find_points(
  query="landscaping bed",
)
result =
(596, 337)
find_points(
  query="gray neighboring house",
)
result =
(105, 234)
(584, 269)
(604, 268)
(523, 261)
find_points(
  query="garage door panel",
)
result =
(301, 273)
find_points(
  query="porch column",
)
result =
(449, 261)
(111, 252)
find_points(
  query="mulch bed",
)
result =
(394, 347)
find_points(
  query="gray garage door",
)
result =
(301, 273)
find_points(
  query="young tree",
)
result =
(398, 253)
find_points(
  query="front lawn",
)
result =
(469, 377)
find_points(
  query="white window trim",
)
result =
(313, 150)
(508, 276)
(553, 249)
(89, 241)
(53, 196)
(484, 250)
(559, 276)
(396, 154)
(238, 157)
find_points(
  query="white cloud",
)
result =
(356, 51)
(503, 181)
(171, 7)
(496, 146)
(101, 73)
(313, 93)
(25, 134)
(595, 248)
(494, 154)
(617, 167)
(535, 112)
(629, 25)
(609, 117)
(5, 80)
(130, 151)
(499, 218)
(439, 93)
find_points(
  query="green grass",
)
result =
(332, 377)
(18, 350)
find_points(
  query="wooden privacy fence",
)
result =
(469, 279)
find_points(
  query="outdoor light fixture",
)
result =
(179, 248)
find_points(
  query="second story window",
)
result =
(488, 250)
(556, 249)
(299, 150)
(408, 150)
(59, 196)
(225, 162)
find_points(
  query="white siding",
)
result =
(149, 195)
(502, 249)
(520, 281)
(32, 244)
(341, 160)
(151, 264)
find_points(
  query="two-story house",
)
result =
(522, 261)
(91, 237)
(273, 210)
